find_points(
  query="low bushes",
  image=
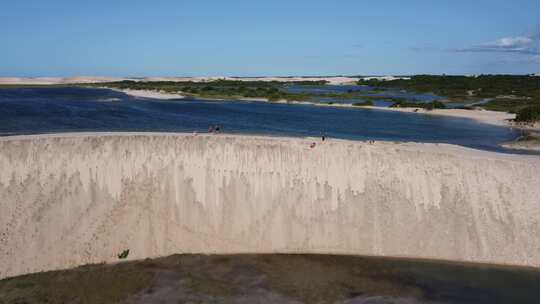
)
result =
(425, 105)
(366, 103)
(529, 114)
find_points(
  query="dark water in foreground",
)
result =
(272, 278)
(47, 110)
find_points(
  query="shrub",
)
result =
(529, 114)
(435, 105)
(426, 105)
(363, 104)
(124, 254)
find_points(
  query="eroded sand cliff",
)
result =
(73, 199)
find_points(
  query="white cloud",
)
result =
(512, 42)
(519, 44)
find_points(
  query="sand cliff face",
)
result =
(76, 199)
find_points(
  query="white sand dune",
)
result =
(73, 199)
(55, 80)
(90, 79)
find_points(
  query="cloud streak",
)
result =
(517, 45)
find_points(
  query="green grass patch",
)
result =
(218, 89)
(424, 105)
(366, 103)
(529, 114)
(464, 87)
(101, 284)
(305, 278)
(509, 105)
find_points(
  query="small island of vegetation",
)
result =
(219, 89)
(518, 94)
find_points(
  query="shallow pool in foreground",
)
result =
(276, 278)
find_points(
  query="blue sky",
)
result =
(251, 38)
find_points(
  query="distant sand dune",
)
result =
(91, 79)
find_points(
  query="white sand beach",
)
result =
(484, 116)
(149, 94)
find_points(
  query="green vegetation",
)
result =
(219, 89)
(483, 86)
(89, 284)
(235, 89)
(510, 93)
(358, 96)
(124, 254)
(508, 105)
(339, 95)
(424, 105)
(274, 278)
(366, 103)
(529, 114)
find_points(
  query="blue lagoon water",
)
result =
(71, 109)
(366, 91)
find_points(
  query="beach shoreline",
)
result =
(529, 140)
(148, 94)
(496, 118)
(439, 148)
(484, 116)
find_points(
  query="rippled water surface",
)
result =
(46, 110)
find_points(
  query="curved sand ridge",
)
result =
(74, 199)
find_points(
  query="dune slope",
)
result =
(74, 199)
